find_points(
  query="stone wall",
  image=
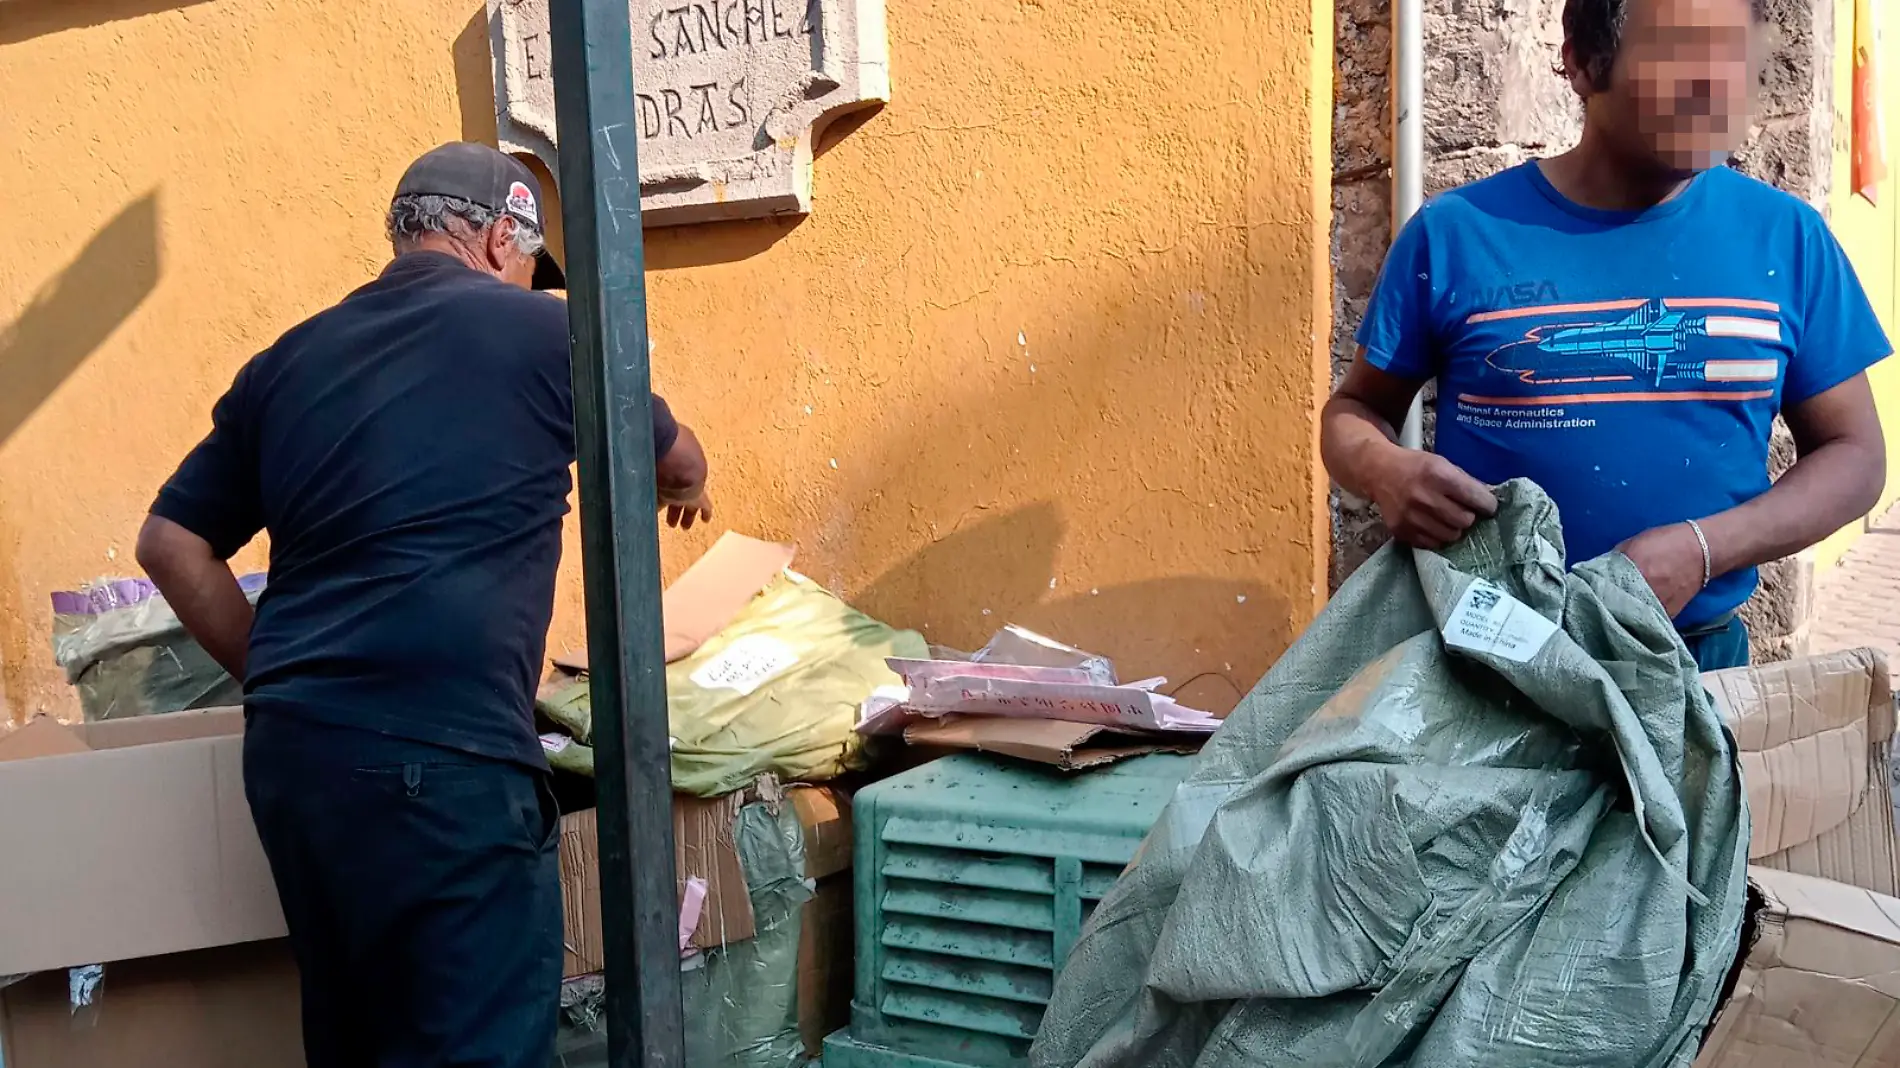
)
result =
(1493, 100)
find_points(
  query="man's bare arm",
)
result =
(201, 588)
(1425, 500)
(681, 475)
(1840, 469)
(1837, 478)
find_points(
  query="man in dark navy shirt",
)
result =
(407, 450)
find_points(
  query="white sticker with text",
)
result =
(745, 665)
(555, 743)
(1489, 620)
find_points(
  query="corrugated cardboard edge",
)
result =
(1815, 736)
(703, 847)
(825, 954)
(41, 736)
(1820, 985)
(176, 828)
(1057, 743)
(702, 601)
(222, 1007)
(825, 814)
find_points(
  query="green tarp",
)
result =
(1482, 814)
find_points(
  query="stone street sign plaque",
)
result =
(730, 95)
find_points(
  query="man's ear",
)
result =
(498, 244)
(1573, 71)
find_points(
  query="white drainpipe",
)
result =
(1408, 147)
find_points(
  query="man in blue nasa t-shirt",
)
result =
(1621, 324)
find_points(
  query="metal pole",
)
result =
(591, 43)
(1408, 148)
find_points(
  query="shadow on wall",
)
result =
(1007, 563)
(1149, 444)
(74, 313)
(1213, 635)
(23, 20)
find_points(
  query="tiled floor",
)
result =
(1857, 602)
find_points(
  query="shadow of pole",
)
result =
(23, 20)
(76, 311)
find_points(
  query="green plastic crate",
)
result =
(974, 877)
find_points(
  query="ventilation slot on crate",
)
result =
(975, 877)
(971, 939)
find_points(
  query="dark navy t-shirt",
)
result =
(408, 452)
(1630, 363)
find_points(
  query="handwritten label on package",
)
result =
(745, 665)
(1489, 620)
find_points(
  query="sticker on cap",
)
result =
(521, 201)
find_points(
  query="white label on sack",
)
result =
(1489, 620)
(555, 743)
(745, 665)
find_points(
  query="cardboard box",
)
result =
(703, 846)
(41, 736)
(1816, 737)
(138, 843)
(826, 953)
(704, 599)
(230, 1007)
(1819, 986)
(825, 814)
(1057, 743)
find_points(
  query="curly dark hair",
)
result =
(1594, 29)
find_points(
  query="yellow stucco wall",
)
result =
(1871, 235)
(1051, 348)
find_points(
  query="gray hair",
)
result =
(411, 217)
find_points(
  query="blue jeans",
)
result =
(1724, 645)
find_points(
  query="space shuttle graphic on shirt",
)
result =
(1656, 342)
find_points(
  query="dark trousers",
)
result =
(1724, 645)
(422, 891)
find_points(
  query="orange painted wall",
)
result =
(1871, 235)
(1050, 349)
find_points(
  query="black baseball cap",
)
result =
(496, 181)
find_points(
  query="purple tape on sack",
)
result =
(102, 597)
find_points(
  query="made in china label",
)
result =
(1489, 620)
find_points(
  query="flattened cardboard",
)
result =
(230, 1007)
(171, 727)
(825, 957)
(1820, 986)
(825, 814)
(1058, 743)
(132, 850)
(41, 736)
(1815, 736)
(703, 847)
(702, 601)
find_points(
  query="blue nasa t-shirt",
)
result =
(1630, 363)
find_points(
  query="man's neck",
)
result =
(442, 244)
(1593, 175)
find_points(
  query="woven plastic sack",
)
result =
(1482, 814)
(123, 649)
(778, 690)
(741, 999)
